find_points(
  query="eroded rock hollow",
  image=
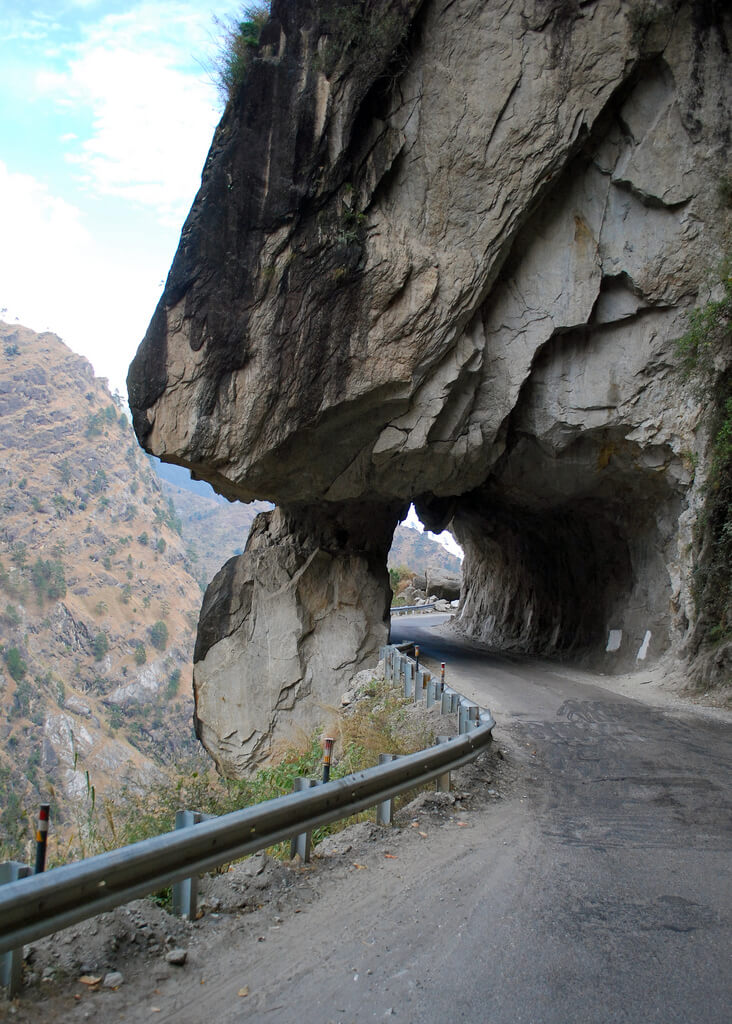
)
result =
(441, 252)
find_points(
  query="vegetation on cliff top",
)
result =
(701, 349)
(239, 43)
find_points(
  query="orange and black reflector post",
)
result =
(327, 757)
(442, 677)
(416, 658)
(42, 837)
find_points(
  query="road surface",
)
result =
(597, 890)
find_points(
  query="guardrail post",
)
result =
(185, 892)
(11, 963)
(442, 782)
(408, 678)
(430, 693)
(385, 810)
(300, 844)
(420, 689)
(473, 716)
(462, 718)
(445, 702)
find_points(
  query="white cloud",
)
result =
(445, 538)
(55, 275)
(153, 108)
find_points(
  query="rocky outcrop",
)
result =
(441, 252)
(440, 583)
(282, 625)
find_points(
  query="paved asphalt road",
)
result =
(617, 904)
(595, 889)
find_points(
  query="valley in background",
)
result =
(104, 555)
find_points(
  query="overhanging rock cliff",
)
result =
(441, 252)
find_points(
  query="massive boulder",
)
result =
(282, 625)
(441, 252)
(441, 583)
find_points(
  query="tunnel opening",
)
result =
(567, 551)
(424, 566)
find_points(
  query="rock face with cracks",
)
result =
(441, 252)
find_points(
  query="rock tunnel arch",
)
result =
(459, 283)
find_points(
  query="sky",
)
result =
(107, 111)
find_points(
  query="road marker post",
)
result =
(42, 838)
(328, 742)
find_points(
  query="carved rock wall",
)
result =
(441, 252)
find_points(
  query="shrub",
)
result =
(12, 614)
(64, 471)
(239, 43)
(710, 333)
(140, 653)
(16, 666)
(99, 482)
(159, 635)
(171, 689)
(48, 578)
(100, 646)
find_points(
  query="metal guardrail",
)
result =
(42, 904)
(396, 608)
(39, 905)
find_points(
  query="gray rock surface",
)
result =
(284, 624)
(441, 583)
(452, 270)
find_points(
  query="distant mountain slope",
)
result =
(98, 605)
(213, 528)
(414, 550)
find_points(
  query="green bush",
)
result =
(100, 646)
(12, 614)
(99, 482)
(48, 578)
(240, 39)
(140, 653)
(159, 635)
(16, 666)
(173, 686)
(710, 333)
